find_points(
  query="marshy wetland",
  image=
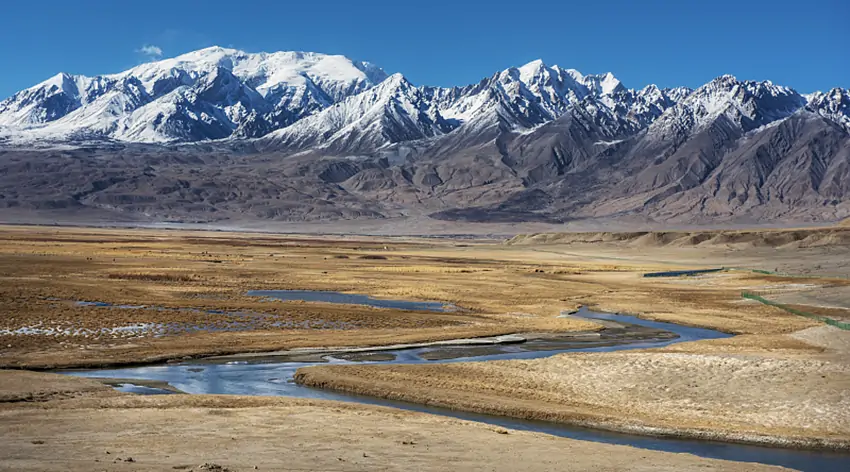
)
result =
(200, 303)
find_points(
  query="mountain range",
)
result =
(224, 135)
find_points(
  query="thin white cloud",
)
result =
(151, 51)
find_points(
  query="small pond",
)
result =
(349, 299)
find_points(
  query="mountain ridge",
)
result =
(283, 86)
(219, 134)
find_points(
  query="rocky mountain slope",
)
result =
(212, 93)
(220, 134)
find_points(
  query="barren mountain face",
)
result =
(223, 135)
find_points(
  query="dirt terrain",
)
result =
(23, 386)
(172, 294)
(202, 432)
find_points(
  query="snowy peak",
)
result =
(517, 99)
(594, 84)
(604, 84)
(637, 109)
(45, 102)
(833, 105)
(756, 103)
(392, 112)
(536, 75)
(394, 85)
(531, 71)
(745, 105)
(294, 84)
(266, 72)
(609, 84)
(303, 99)
(226, 89)
(677, 94)
(521, 98)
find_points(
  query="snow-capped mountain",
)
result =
(306, 136)
(218, 93)
(207, 94)
(523, 97)
(746, 105)
(392, 112)
(834, 105)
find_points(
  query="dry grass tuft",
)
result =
(156, 277)
(710, 396)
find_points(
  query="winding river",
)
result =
(273, 375)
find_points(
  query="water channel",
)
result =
(272, 374)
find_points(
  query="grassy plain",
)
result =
(500, 289)
(763, 390)
(45, 271)
(782, 380)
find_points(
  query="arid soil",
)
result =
(23, 386)
(202, 432)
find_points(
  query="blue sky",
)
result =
(803, 44)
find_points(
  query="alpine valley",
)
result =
(224, 136)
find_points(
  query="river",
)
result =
(273, 375)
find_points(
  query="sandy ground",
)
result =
(181, 432)
(23, 386)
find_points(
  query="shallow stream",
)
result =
(273, 375)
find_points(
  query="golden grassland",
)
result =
(44, 271)
(782, 380)
(500, 288)
(738, 395)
